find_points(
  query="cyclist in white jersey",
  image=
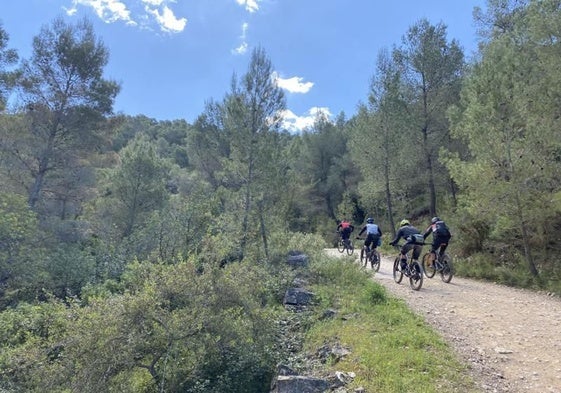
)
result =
(373, 234)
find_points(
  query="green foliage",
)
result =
(70, 267)
(432, 68)
(8, 57)
(65, 99)
(137, 185)
(508, 269)
(385, 160)
(509, 118)
(21, 269)
(309, 243)
(17, 224)
(321, 160)
(392, 350)
(31, 344)
(169, 326)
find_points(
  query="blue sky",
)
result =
(172, 56)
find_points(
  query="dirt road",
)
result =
(511, 338)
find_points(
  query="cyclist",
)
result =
(345, 228)
(440, 236)
(407, 232)
(373, 234)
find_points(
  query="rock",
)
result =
(298, 297)
(297, 259)
(344, 378)
(503, 351)
(299, 384)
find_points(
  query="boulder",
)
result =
(299, 384)
(297, 259)
(297, 297)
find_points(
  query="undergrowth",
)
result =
(391, 349)
(514, 273)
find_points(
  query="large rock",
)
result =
(298, 297)
(299, 384)
(297, 259)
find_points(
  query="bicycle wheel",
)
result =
(340, 245)
(375, 260)
(350, 248)
(363, 257)
(447, 271)
(397, 273)
(428, 267)
(416, 276)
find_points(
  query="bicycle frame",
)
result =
(345, 245)
(433, 262)
(371, 255)
(414, 271)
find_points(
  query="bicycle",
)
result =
(372, 256)
(413, 270)
(433, 262)
(345, 245)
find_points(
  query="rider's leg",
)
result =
(433, 252)
(443, 247)
(403, 256)
(368, 242)
(416, 252)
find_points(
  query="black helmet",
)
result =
(370, 220)
(434, 220)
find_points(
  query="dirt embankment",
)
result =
(510, 338)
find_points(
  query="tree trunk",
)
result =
(247, 205)
(427, 150)
(263, 229)
(37, 186)
(388, 194)
(525, 239)
(432, 187)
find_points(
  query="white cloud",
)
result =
(294, 84)
(167, 20)
(295, 124)
(251, 6)
(108, 11)
(240, 50)
(245, 26)
(132, 12)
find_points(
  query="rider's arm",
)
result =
(397, 237)
(427, 232)
(362, 231)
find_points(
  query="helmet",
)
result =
(434, 220)
(370, 220)
(404, 222)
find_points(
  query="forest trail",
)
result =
(510, 338)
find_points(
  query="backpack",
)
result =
(416, 238)
(441, 229)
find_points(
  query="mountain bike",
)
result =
(370, 255)
(433, 262)
(345, 245)
(413, 270)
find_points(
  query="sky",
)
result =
(171, 57)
